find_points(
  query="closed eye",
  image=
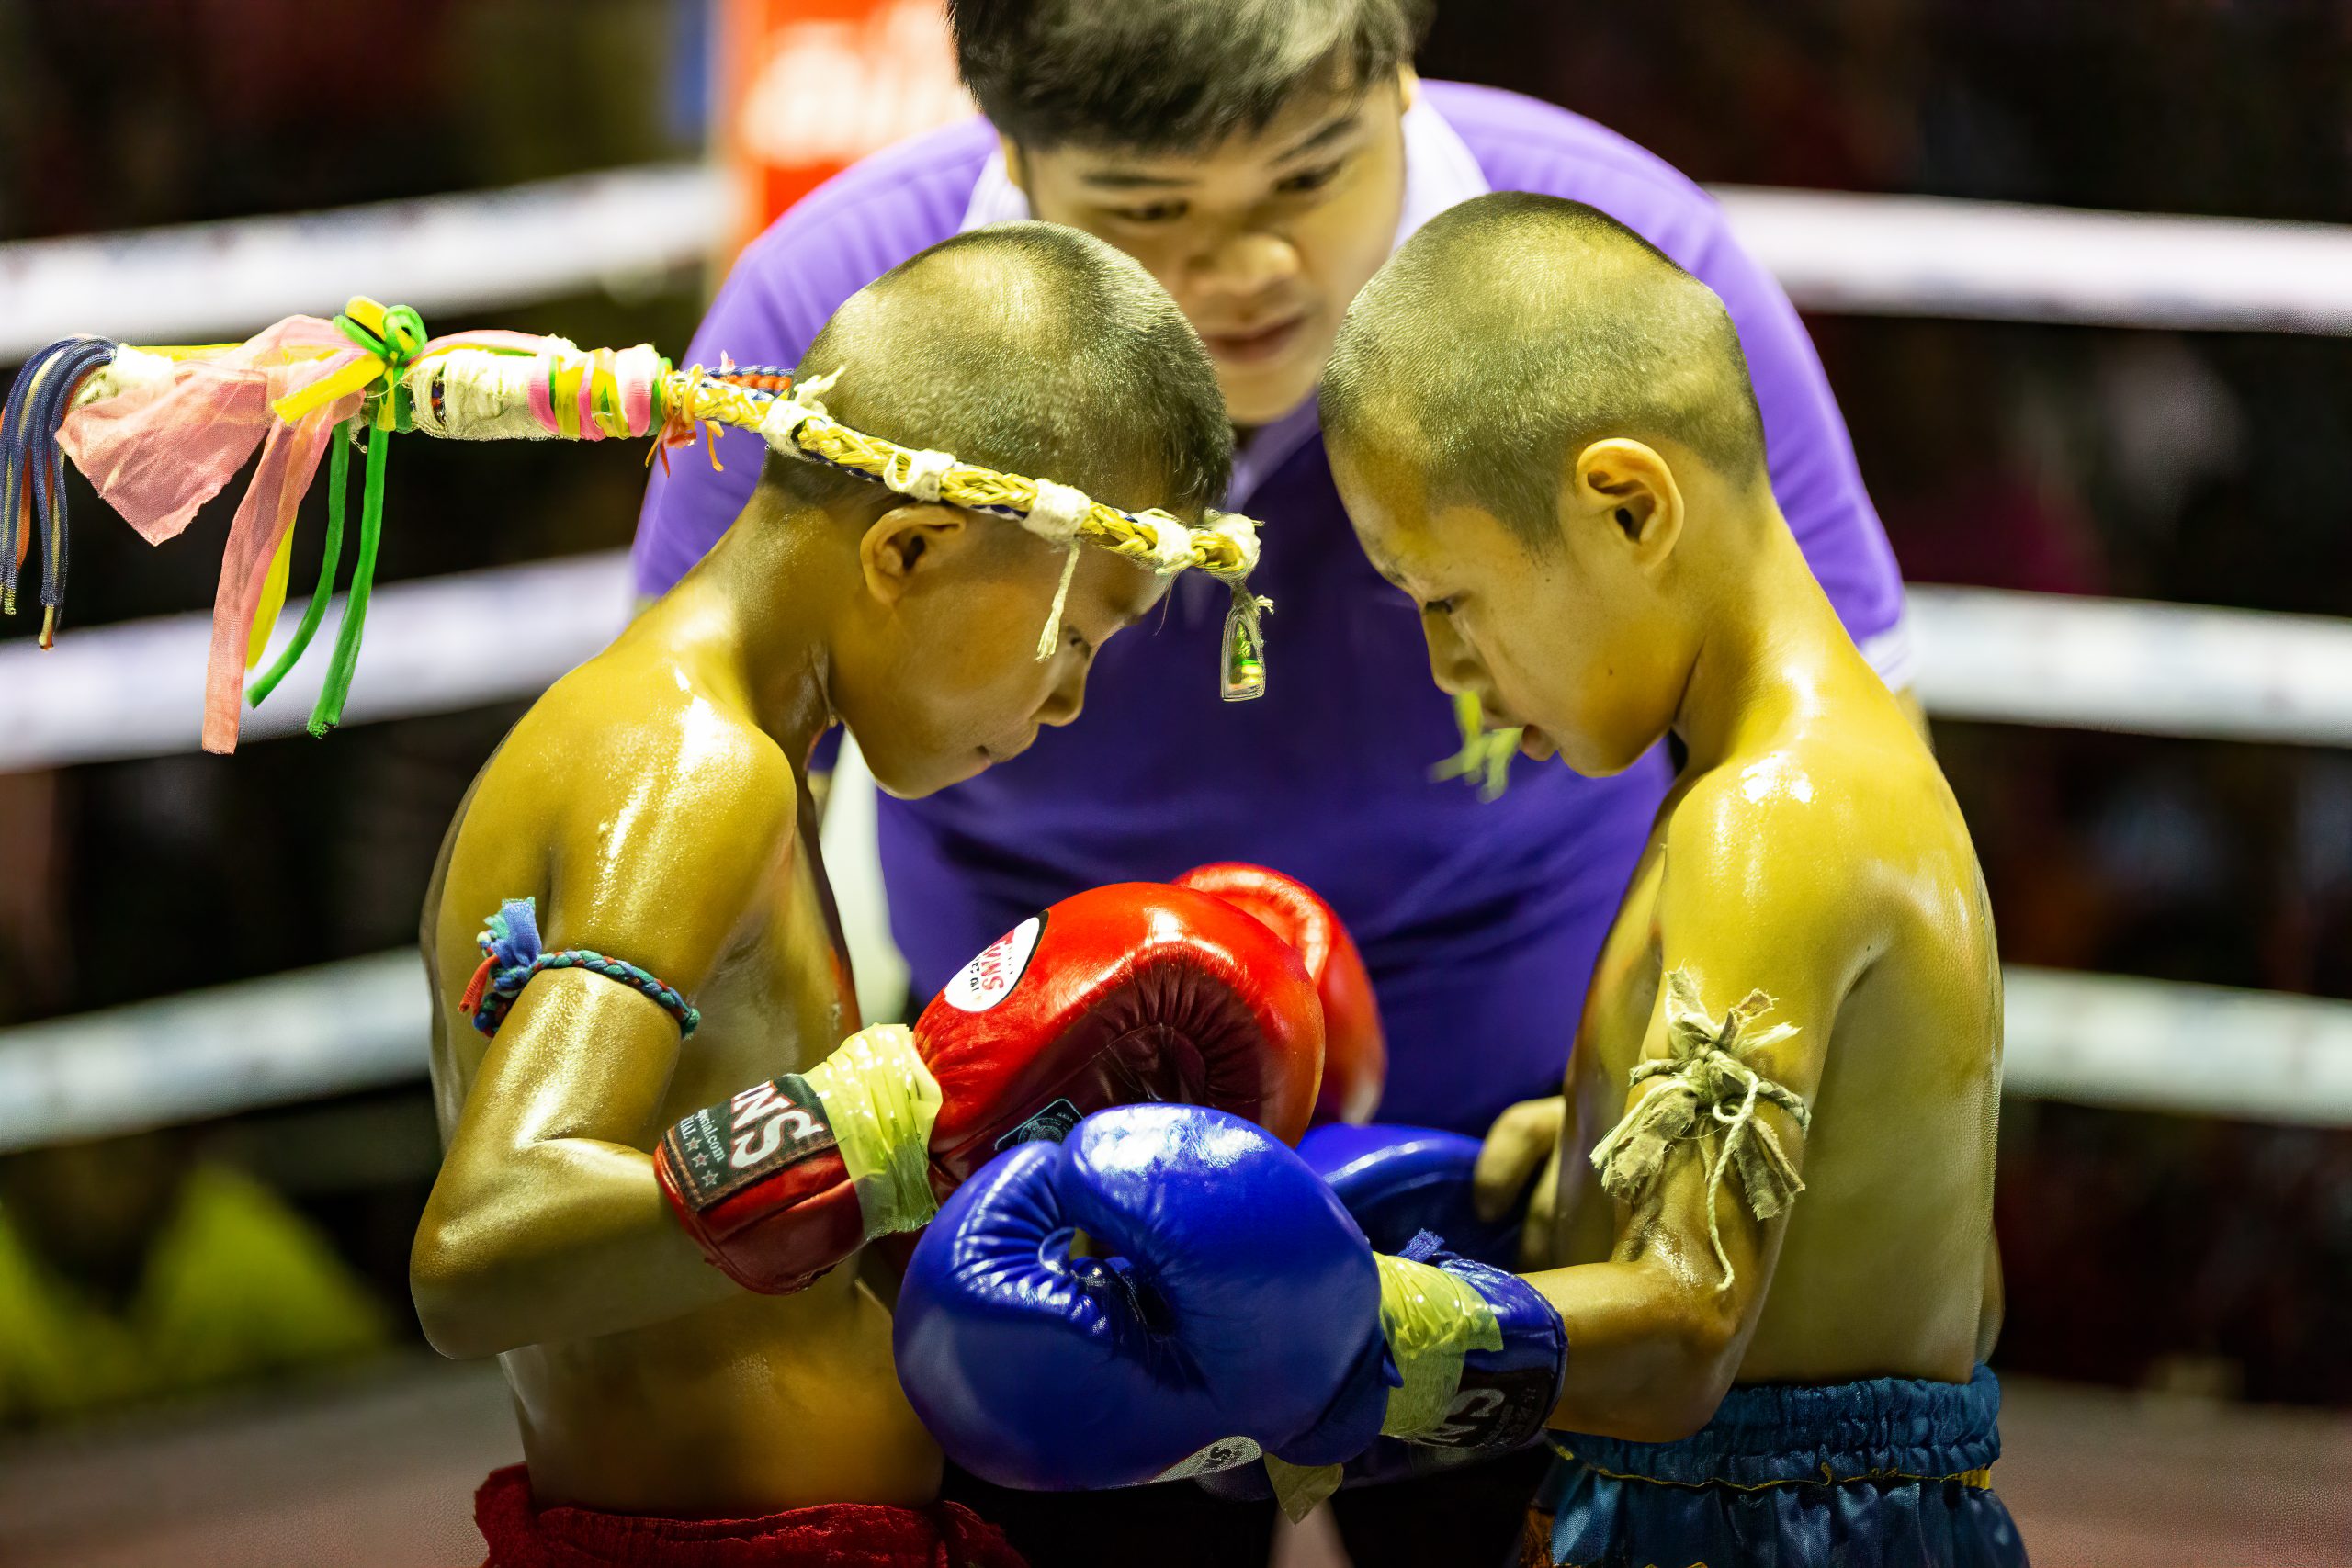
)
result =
(1311, 179)
(1151, 212)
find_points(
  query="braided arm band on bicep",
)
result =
(512, 955)
(1710, 1095)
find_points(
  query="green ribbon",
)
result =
(387, 407)
(328, 711)
(338, 483)
(397, 345)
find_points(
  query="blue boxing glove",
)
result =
(1230, 1308)
(1228, 1299)
(1398, 1181)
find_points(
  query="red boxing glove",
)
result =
(1126, 994)
(1355, 1051)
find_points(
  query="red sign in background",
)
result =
(807, 87)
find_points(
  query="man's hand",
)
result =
(1523, 1140)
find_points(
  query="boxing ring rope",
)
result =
(1923, 255)
(1864, 254)
(362, 1023)
(437, 644)
(443, 255)
(133, 690)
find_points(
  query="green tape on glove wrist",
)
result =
(881, 1101)
(1432, 1319)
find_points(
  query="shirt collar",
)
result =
(1440, 172)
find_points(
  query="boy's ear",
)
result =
(1628, 485)
(910, 540)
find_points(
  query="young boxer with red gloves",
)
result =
(667, 1137)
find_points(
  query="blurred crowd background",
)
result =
(2145, 1250)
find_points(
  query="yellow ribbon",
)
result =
(273, 599)
(389, 337)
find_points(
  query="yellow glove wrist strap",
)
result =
(881, 1101)
(1432, 1319)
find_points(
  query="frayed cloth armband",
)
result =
(1710, 1094)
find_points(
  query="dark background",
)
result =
(2212, 468)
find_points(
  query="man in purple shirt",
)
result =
(1262, 161)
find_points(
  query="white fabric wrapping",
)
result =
(1172, 541)
(1243, 532)
(918, 474)
(1055, 515)
(131, 367)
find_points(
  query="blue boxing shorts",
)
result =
(1870, 1474)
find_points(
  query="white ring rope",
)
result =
(200, 282)
(361, 1024)
(444, 643)
(435, 645)
(1870, 254)
(1921, 255)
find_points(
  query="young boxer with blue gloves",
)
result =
(1755, 1325)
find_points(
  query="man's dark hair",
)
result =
(1031, 349)
(1512, 331)
(1169, 75)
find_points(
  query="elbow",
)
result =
(452, 1282)
(1704, 1351)
(1686, 1366)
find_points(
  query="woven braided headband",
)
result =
(161, 431)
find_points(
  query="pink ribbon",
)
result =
(156, 453)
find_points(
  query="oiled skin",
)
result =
(1818, 855)
(1810, 849)
(644, 805)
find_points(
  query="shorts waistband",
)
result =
(1777, 1434)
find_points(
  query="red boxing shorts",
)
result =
(847, 1535)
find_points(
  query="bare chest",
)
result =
(783, 996)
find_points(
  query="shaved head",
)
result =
(1513, 331)
(1028, 348)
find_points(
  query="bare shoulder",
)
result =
(1816, 838)
(650, 811)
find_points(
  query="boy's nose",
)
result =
(1066, 700)
(1451, 663)
(1250, 265)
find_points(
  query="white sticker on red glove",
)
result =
(990, 978)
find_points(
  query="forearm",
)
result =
(566, 1239)
(1651, 1351)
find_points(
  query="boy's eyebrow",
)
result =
(1136, 179)
(1129, 179)
(1330, 131)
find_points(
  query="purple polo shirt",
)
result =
(1479, 921)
